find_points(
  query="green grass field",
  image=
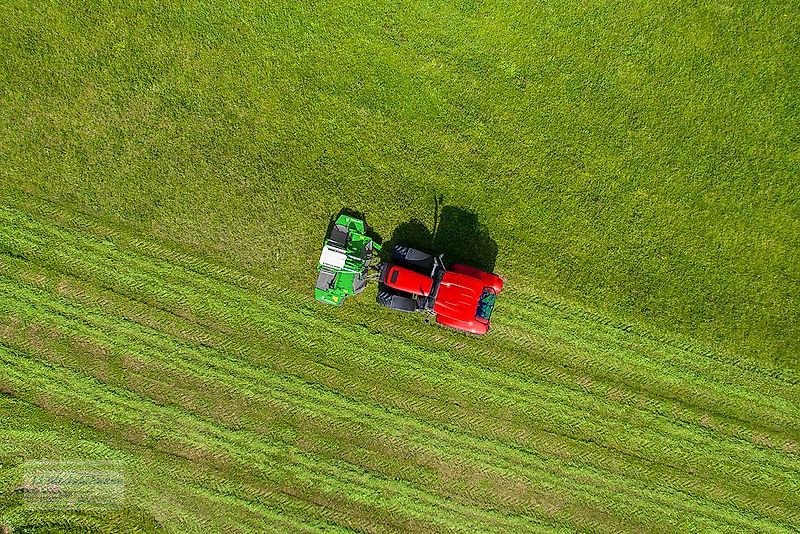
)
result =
(167, 173)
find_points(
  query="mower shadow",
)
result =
(371, 233)
(457, 233)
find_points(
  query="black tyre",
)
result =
(413, 258)
(397, 302)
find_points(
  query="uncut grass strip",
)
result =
(304, 467)
(72, 220)
(781, 394)
(522, 333)
(635, 364)
(104, 250)
(527, 300)
(745, 407)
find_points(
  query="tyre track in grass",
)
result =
(640, 352)
(690, 353)
(735, 406)
(410, 354)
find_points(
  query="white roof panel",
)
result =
(332, 257)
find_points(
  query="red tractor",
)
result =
(461, 297)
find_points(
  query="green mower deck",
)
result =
(345, 261)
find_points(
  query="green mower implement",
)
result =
(345, 261)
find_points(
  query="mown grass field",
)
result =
(167, 176)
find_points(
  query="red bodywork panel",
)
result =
(403, 279)
(457, 295)
(457, 302)
(489, 279)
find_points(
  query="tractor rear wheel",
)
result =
(394, 301)
(413, 258)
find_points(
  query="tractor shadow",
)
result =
(457, 233)
(371, 233)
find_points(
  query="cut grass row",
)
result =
(465, 394)
(275, 462)
(608, 355)
(200, 451)
(163, 370)
(161, 490)
(416, 377)
(686, 359)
